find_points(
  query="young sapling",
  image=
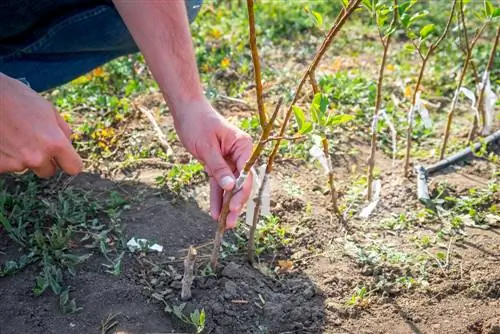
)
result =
(468, 54)
(425, 51)
(380, 13)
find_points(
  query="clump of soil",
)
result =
(243, 300)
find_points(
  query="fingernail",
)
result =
(227, 182)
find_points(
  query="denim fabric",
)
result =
(50, 42)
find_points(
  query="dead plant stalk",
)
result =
(425, 59)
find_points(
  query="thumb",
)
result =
(218, 168)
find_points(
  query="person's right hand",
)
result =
(32, 133)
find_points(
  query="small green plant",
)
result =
(359, 298)
(195, 318)
(180, 176)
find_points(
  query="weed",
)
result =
(195, 318)
(49, 226)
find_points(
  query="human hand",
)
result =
(221, 147)
(32, 134)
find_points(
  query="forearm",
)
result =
(161, 31)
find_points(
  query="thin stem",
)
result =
(256, 215)
(435, 45)
(410, 117)
(256, 65)
(488, 69)
(221, 225)
(425, 59)
(460, 81)
(334, 30)
(331, 181)
(371, 158)
(386, 43)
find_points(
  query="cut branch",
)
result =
(331, 180)
(187, 279)
(256, 65)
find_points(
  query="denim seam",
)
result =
(53, 30)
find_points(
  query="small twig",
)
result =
(331, 182)
(187, 279)
(256, 64)
(448, 253)
(437, 261)
(233, 99)
(161, 136)
(285, 138)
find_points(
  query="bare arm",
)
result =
(161, 31)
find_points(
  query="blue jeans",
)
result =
(50, 42)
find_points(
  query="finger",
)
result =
(244, 149)
(46, 170)
(65, 128)
(232, 217)
(219, 169)
(67, 158)
(215, 198)
(241, 197)
(10, 165)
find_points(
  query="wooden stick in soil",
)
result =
(479, 105)
(187, 279)
(386, 41)
(467, 61)
(161, 136)
(425, 59)
(331, 180)
(256, 65)
(221, 224)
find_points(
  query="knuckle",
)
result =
(55, 144)
(32, 159)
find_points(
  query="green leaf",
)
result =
(202, 317)
(195, 317)
(427, 30)
(318, 18)
(488, 8)
(340, 119)
(345, 3)
(417, 16)
(318, 108)
(306, 128)
(299, 116)
(496, 12)
(441, 256)
(368, 4)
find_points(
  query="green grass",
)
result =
(58, 228)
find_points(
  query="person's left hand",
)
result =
(221, 147)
